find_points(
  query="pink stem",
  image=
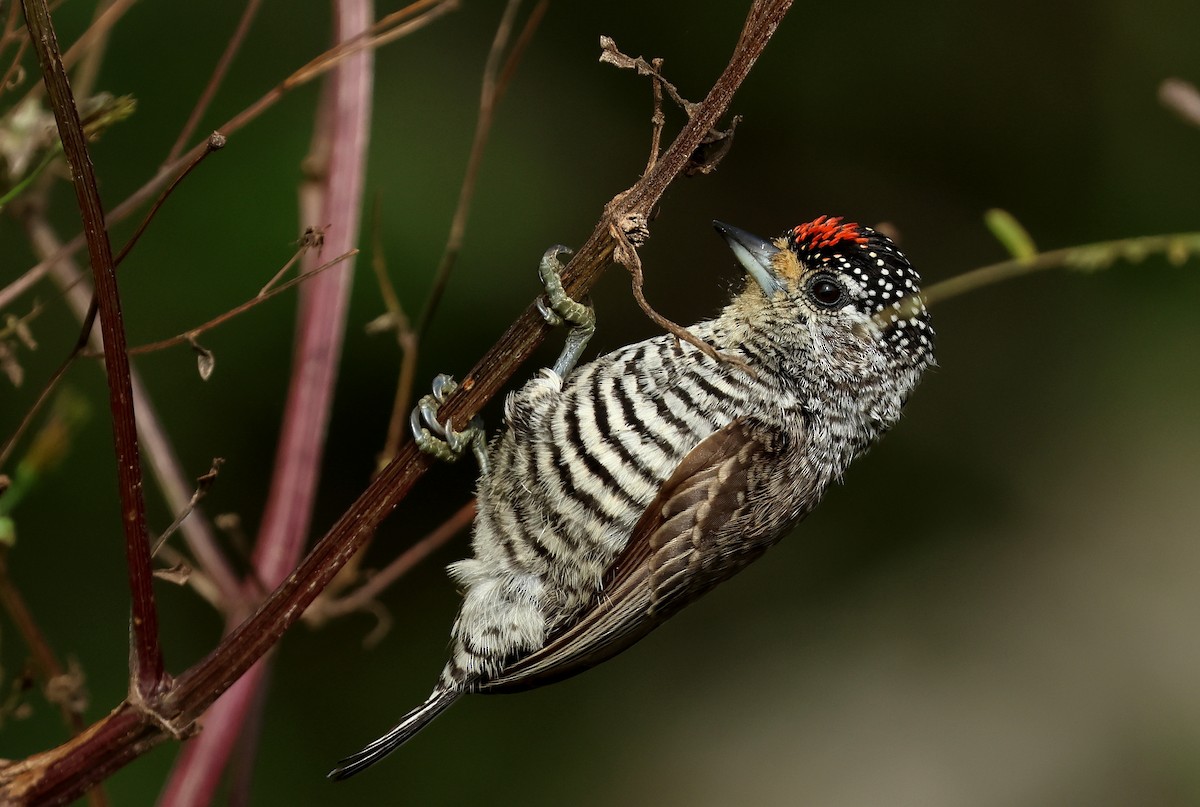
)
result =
(344, 123)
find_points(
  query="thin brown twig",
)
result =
(221, 319)
(406, 340)
(412, 17)
(214, 81)
(609, 52)
(658, 120)
(520, 45)
(148, 675)
(488, 98)
(96, 33)
(305, 245)
(46, 664)
(94, 43)
(216, 141)
(399, 23)
(12, 25)
(172, 481)
(204, 484)
(430, 11)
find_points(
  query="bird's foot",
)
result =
(439, 440)
(559, 309)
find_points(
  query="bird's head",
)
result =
(838, 297)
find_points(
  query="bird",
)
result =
(627, 487)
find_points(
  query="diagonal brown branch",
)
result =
(58, 775)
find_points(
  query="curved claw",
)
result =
(427, 408)
(435, 437)
(461, 441)
(444, 385)
(416, 427)
(551, 255)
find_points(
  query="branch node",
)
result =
(176, 728)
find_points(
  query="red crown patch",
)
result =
(826, 231)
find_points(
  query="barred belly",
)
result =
(577, 466)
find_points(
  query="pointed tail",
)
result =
(409, 725)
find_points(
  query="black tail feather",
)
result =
(409, 725)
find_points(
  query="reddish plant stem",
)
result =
(345, 125)
(333, 196)
(146, 654)
(197, 773)
(58, 775)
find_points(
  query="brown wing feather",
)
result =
(668, 561)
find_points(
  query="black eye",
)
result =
(826, 291)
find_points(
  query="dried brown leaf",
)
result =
(712, 149)
(177, 574)
(206, 362)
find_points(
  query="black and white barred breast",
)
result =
(570, 477)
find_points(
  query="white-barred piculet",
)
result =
(623, 489)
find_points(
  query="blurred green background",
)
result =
(1001, 605)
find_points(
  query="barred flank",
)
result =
(579, 465)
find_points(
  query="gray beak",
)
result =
(754, 254)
